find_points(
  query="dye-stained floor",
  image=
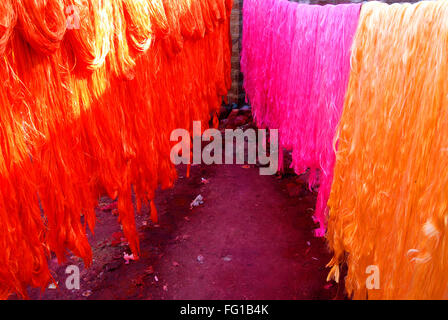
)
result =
(250, 239)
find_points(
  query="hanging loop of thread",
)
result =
(8, 20)
(91, 38)
(42, 23)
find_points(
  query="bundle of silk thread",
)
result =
(296, 65)
(388, 217)
(90, 92)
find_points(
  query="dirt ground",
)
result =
(250, 239)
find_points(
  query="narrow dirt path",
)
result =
(251, 239)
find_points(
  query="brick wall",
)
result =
(236, 94)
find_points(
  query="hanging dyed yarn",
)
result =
(87, 109)
(388, 217)
(295, 62)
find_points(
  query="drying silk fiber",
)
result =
(296, 63)
(89, 94)
(388, 203)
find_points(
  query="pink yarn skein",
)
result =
(296, 66)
